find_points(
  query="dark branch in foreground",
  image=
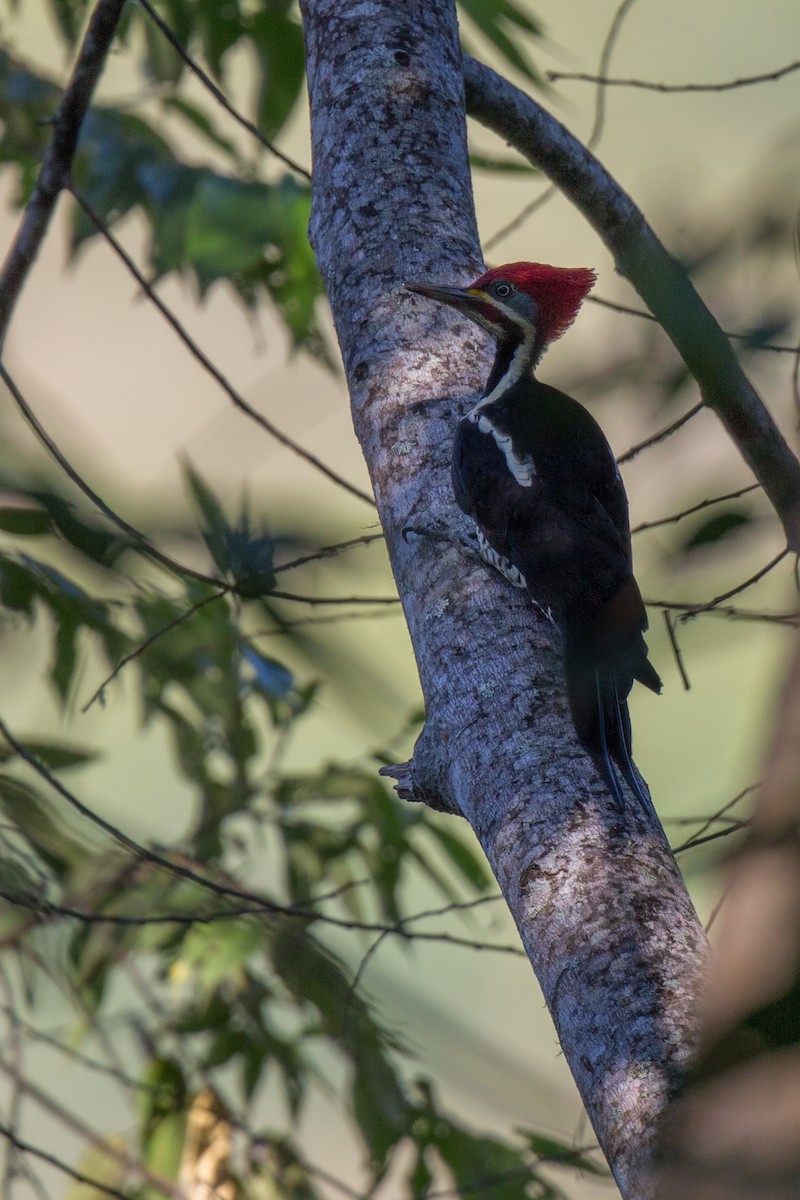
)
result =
(57, 163)
(656, 275)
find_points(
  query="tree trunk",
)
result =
(598, 900)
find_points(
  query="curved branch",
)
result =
(656, 275)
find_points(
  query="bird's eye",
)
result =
(502, 290)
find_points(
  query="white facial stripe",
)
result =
(520, 466)
(516, 370)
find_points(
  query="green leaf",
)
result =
(56, 756)
(163, 1091)
(279, 41)
(219, 27)
(271, 678)
(216, 533)
(41, 826)
(202, 123)
(18, 585)
(502, 1169)
(493, 17)
(164, 1145)
(469, 864)
(65, 653)
(314, 977)
(162, 63)
(69, 16)
(217, 952)
(25, 522)
(225, 1045)
(229, 225)
(485, 162)
(717, 528)
(557, 1153)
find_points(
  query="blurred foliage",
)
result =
(242, 993)
(245, 994)
(231, 219)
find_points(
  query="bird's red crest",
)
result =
(558, 292)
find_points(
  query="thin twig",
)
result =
(57, 161)
(365, 539)
(11, 1165)
(650, 86)
(260, 903)
(288, 627)
(687, 512)
(594, 137)
(662, 434)
(676, 650)
(137, 538)
(628, 311)
(148, 642)
(698, 836)
(69, 1118)
(214, 371)
(45, 1156)
(734, 827)
(790, 619)
(218, 95)
(693, 610)
(298, 599)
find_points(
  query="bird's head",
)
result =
(519, 302)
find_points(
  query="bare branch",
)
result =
(676, 650)
(728, 85)
(334, 599)
(662, 434)
(145, 645)
(53, 1161)
(655, 274)
(736, 337)
(364, 539)
(687, 512)
(734, 827)
(57, 162)
(687, 610)
(218, 95)
(694, 610)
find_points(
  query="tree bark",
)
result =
(599, 903)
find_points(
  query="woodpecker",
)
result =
(534, 471)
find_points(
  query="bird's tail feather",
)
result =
(602, 723)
